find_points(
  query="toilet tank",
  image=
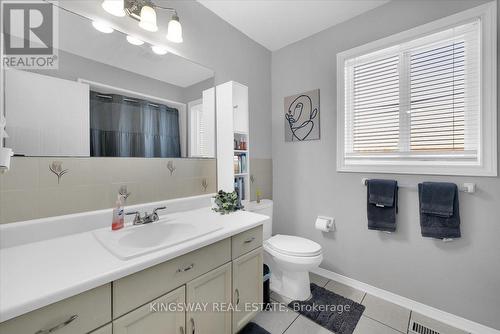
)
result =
(265, 207)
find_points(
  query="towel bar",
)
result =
(469, 188)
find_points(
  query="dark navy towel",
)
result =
(382, 204)
(439, 210)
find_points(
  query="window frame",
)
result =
(194, 151)
(486, 165)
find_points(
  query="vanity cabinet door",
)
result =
(213, 292)
(155, 317)
(108, 329)
(247, 287)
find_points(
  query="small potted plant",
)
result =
(227, 202)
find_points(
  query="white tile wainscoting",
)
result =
(261, 172)
(29, 190)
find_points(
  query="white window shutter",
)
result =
(444, 103)
(416, 100)
(375, 106)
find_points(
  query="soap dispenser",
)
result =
(118, 215)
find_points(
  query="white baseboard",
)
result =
(431, 312)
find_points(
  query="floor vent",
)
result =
(417, 328)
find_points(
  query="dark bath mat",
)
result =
(253, 328)
(334, 312)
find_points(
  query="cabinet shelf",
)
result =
(240, 151)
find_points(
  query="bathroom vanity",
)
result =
(72, 284)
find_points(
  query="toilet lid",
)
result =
(294, 246)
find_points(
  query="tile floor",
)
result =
(379, 317)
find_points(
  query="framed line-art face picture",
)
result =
(302, 117)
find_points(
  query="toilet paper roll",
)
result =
(323, 224)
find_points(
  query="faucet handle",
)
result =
(137, 217)
(159, 208)
(155, 215)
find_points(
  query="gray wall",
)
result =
(213, 42)
(461, 277)
(195, 92)
(73, 67)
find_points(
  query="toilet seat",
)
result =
(293, 246)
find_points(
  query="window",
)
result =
(423, 101)
(199, 136)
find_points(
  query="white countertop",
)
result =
(40, 273)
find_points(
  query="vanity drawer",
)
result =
(246, 241)
(91, 308)
(137, 289)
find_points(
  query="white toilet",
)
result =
(290, 258)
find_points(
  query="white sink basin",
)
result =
(133, 241)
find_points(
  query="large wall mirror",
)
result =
(110, 98)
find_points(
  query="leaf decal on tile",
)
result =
(171, 167)
(56, 168)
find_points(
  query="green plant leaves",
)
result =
(226, 202)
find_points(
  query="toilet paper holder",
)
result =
(328, 227)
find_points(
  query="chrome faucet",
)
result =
(147, 218)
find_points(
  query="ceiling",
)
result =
(278, 23)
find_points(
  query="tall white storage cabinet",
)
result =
(233, 158)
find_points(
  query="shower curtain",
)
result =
(122, 126)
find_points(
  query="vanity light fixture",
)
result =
(148, 19)
(114, 7)
(144, 11)
(102, 27)
(134, 40)
(159, 50)
(174, 33)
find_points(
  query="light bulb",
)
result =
(134, 40)
(174, 33)
(148, 19)
(159, 50)
(102, 27)
(114, 7)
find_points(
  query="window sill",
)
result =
(418, 167)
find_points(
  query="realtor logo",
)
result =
(29, 34)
